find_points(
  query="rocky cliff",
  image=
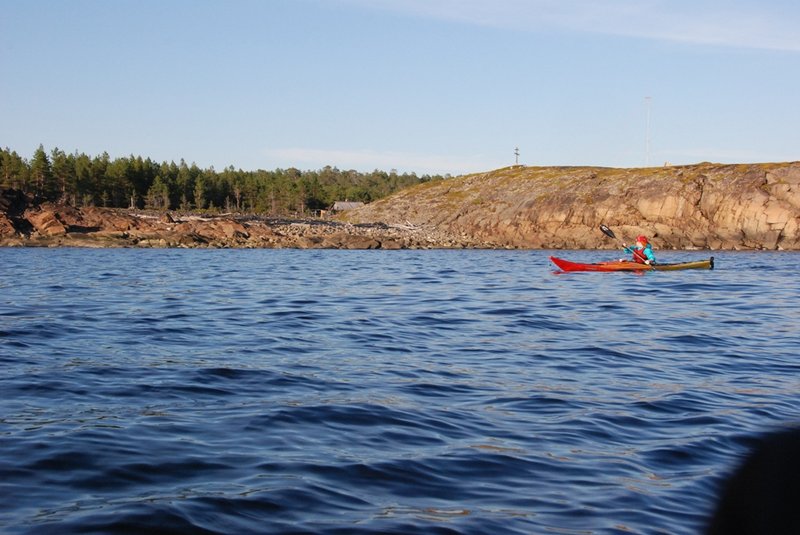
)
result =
(714, 206)
(747, 206)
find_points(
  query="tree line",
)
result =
(135, 182)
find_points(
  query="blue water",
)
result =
(339, 392)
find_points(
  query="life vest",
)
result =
(639, 256)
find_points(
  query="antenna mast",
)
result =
(647, 102)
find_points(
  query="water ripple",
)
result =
(458, 392)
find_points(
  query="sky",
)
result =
(424, 86)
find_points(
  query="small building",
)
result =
(340, 206)
(343, 206)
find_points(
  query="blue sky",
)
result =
(429, 86)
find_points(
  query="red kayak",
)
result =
(625, 265)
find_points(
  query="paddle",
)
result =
(610, 233)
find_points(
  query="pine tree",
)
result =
(42, 175)
(64, 176)
(200, 193)
(14, 172)
(158, 195)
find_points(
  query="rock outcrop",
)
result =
(713, 206)
(23, 222)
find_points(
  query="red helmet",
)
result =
(642, 239)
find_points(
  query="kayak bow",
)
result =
(566, 265)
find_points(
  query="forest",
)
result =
(135, 182)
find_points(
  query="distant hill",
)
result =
(707, 205)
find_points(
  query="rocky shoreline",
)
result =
(25, 223)
(690, 207)
(702, 206)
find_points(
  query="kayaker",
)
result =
(642, 251)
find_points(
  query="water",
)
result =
(333, 392)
